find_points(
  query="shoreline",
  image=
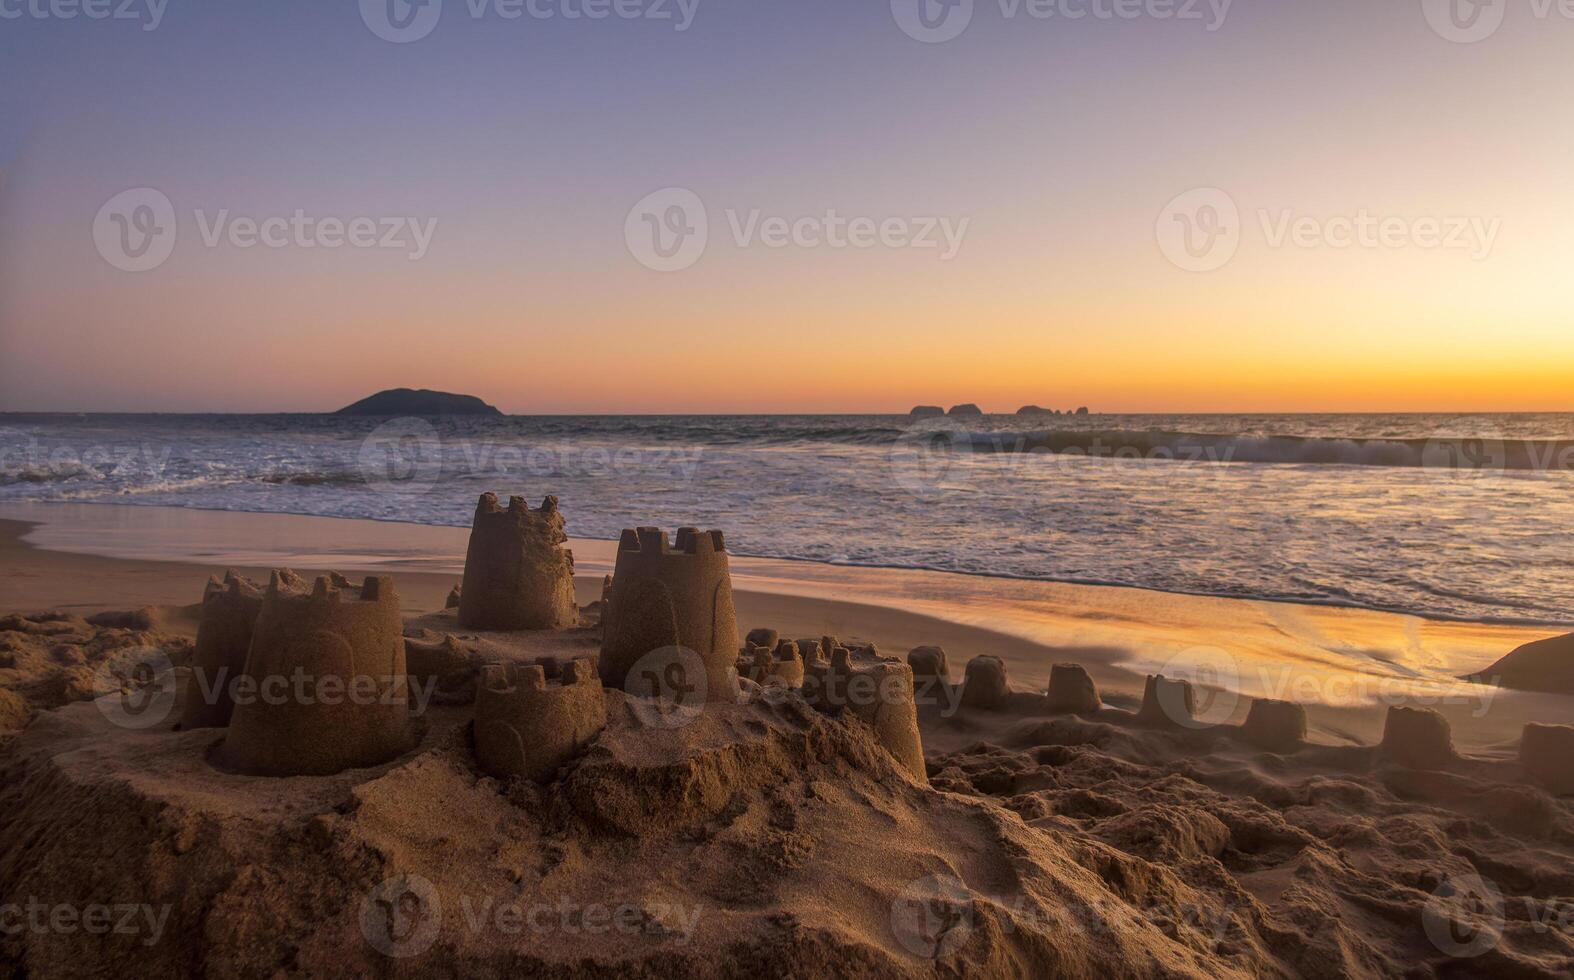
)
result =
(1348, 665)
(1558, 626)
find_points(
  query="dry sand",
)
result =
(766, 839)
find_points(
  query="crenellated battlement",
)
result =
(518, 575)
(671, 594)
(654, 541)
(530, 719)
(329, 663)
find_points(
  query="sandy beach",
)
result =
(762, 836)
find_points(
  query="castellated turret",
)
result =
(518, 575)
(229, 614)
(875, 690)
(324, 687)
(530, 719)
(671, 595)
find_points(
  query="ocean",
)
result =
(1443, 516)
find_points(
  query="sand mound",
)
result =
(758, 839)
(1545, 665)
(1316, 864)
(49, 659)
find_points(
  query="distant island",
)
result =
(968, 409)
(418, 401)
(926, 411)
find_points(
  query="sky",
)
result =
(820, 206)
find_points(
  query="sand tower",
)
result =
(878, 692)
(984, 683)
(1278, 726)
(666, 595)
(1417, 737)
(1168, 701)
(1545, 751)
(782, 667)
(530, 719)
(1071, 690)
(325, 687)
(518, 575)
(229, 614)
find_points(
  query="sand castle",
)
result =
(878, 692)
(1168, 702)
(530, 719)
(1278, 726)
(1072, 691)
(665, 595)
(324, 688)
(229, 614)
(984, 684)
(782, 666)
(518, 575)
(1418, 738)
(1545, 751)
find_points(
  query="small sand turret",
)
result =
(1418, 738)
(1166, 701)
(984, 684)
(530, 719)
(1278, 726)
(324, 687)
(229, 614)
(878, 692)
(1071, 690)
(1545, 751)
(518, 575)
(782, 667)
(671, 595)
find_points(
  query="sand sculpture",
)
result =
(518, 575)
(929, 662)
(452, 602)
(984, 684)
(782, 666)
(1167, 702)
(229, 614)
(324, 688)
(1278, 726)
(1418, 738)
(530, 719)
(665, 595)
(878, 692)
(767, 638)
(1545, 751)
(1072, 691)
